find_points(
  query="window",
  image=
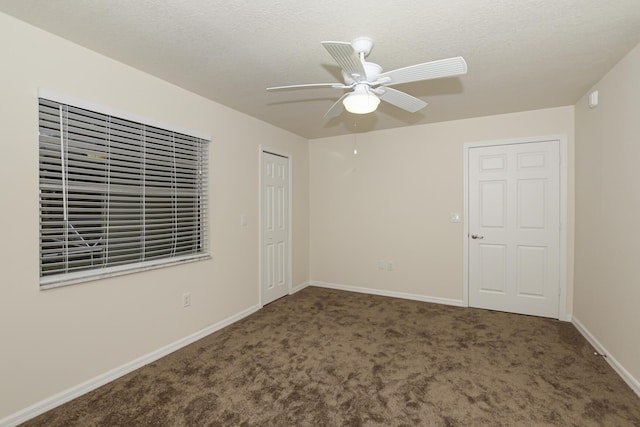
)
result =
(116, 195)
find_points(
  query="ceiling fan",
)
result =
(370, 85)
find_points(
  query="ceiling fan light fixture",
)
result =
(370, 85)
(361, 102)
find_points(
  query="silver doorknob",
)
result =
(475, 236)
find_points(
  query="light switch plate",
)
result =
(455, 217)
(593, 99)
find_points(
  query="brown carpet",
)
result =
(330, 358)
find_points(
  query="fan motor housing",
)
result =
(372, 70)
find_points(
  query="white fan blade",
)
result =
(401, 99)
(347, 58)
(336, 109)
(312, 85)
(429, 70)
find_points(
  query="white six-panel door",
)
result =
(275, 280)
(514, 228)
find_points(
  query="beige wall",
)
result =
(55, 339)
(607, 267)
(393, 199)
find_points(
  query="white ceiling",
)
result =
(522, 54)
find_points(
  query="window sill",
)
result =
(91, 275)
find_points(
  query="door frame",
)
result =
(264, 149)
(562, 140)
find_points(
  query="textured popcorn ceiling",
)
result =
(522, 54)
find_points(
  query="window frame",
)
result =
(201, 221)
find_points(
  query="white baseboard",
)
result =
(415, 297)
(299, 287)
(626, 376)
(92, 384)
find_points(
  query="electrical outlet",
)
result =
(186, 299)
(390, 265)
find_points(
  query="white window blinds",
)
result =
(116, 195)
